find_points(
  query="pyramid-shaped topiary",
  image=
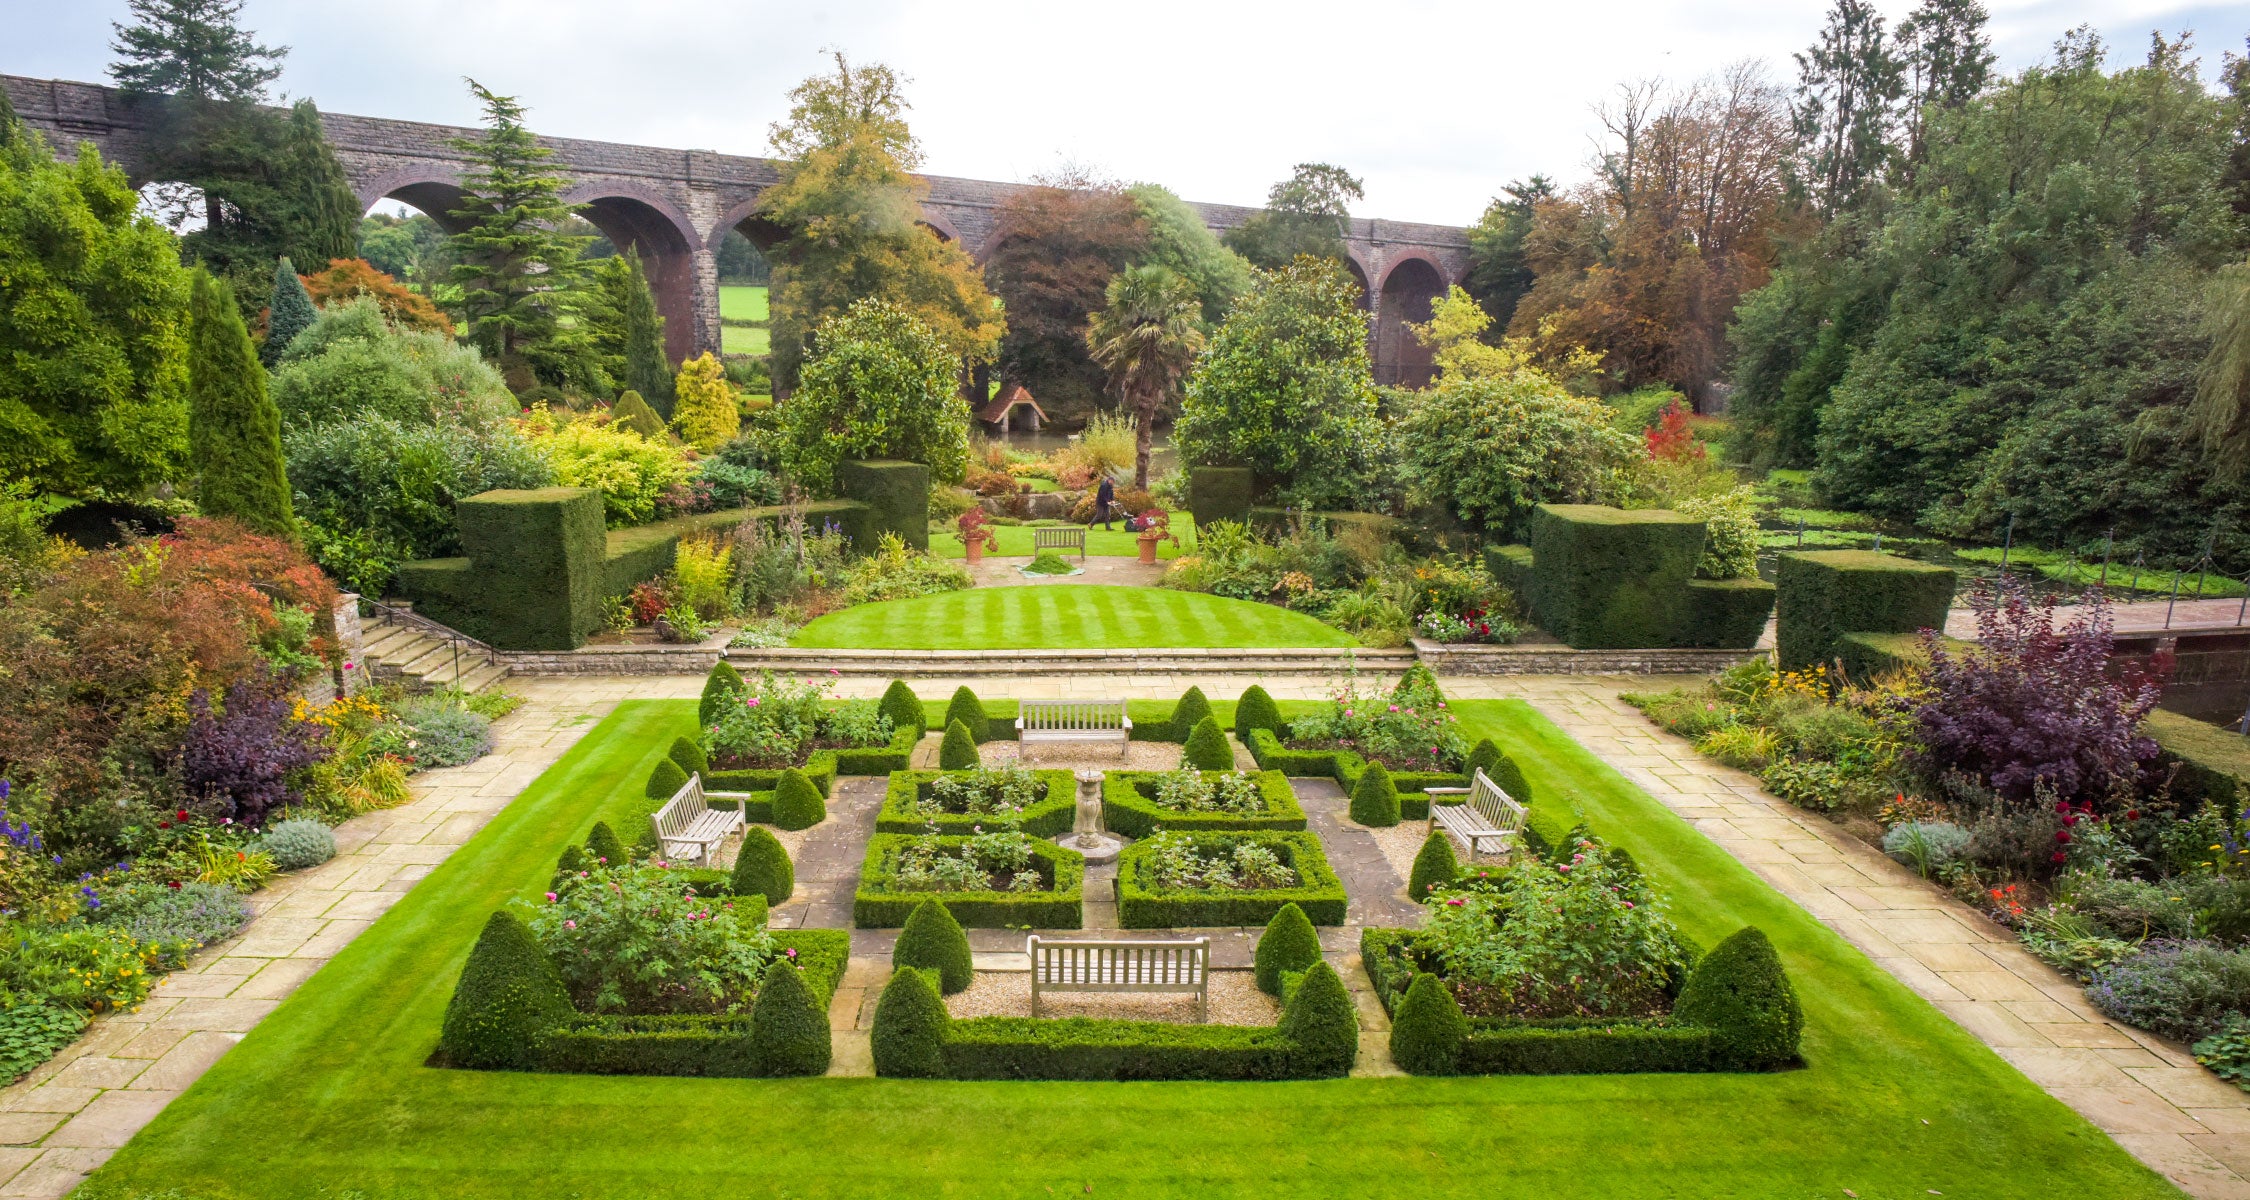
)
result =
(1375, 798)
(602, 845)
(1189, 712)
(1485, 757)
(933, 940)
(665, 779)
(1256, 710)
(723, 683)
(1322, 1023)
(1741, 992)
(573, 861)
(969, 711)
(958, 752)
(1427, 1033)
(1510, 778)
(788, 1028)
(1435, 866)
(909, 1034)
(1207, 748)
(904, 708)
(1289, 944)
(762, 867)
(689, 756)
(509, 996)
(632, 412)
(797, 802)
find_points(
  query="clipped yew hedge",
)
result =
(1046, 818)
(1319, 893)
(1129, 807)
(880, 904)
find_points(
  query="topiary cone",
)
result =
(933, 940)
(1321, 1021)
(1510, 778)
(1207, 748)
(602, 843)
(958, 752)
(509, 996)
(1189, 712)
(1434, 867)
(633, 413)
(1427, 1033)
(1289, 944)
(904, 708)
(797, 802)
(909, 1034)
(665, 780)
(1256, 710)
(968, 710)
(788, 1028)
(689, 756)
(573, 861)
(1741, 993)
(723, 683)
(1485, 757)
(1374, 798)
(762, 867)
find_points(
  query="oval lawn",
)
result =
(1063, 617)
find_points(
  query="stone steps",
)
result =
(421, 661)
(949, 663)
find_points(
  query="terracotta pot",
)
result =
(1148, 546)
(975, 548)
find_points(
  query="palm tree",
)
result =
(1146, 339)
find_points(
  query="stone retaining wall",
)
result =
(1562, 660)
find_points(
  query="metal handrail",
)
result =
(389, 614)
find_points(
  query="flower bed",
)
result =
(1040, 803)
(1135, 803)
(1345, 767)
(770, 724)
(891, 888)
(1158, 888)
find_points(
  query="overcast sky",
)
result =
(1434, 104)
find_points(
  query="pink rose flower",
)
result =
(570, 924)
(550, 897)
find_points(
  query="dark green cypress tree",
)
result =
(287, 314)
(326, 209)
(234, 430)
(515, 268)
(646, 369)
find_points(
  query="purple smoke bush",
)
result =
(241, 755)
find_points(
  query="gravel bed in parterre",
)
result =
(1101, 756)
(792, 840)
(1235, 1000)
(1399, 843)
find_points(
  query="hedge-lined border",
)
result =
(823, 766)
(877, 907)
(1129, 811)
(1044, 819)
(1345, 767)
(1093, 1049)
(1318, 892)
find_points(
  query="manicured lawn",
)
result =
(742, 302)
(1060, 616)
(738, 339)
(328, 1097)
(1100, 542)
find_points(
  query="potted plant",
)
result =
(974, 533)
(1152, 527)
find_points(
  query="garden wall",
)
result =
(1603, 578)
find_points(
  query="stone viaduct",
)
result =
(676, 206)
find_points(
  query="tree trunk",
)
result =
(1145, 415)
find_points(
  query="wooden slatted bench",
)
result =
(1040, 721)
(1490, 816)
(1059, 537)
(1121, 966)
(688, 821)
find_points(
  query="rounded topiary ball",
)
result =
(1324, 1026)
(509, 996)
(298, 844)
(933, 940)
(602, 844)
(797, 802)
(1207, 748)
(1256, 710)
(1428, 1032)
(1375, 798)
(788, 1028)
(1741, 993)
(958, 752)
(665, 780)
(1290, 943)
(689, 757)
(762, 867)
(909, 1034)
(1435, 866)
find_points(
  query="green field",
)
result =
(1062, 616)
(734, 339)
(1106, 543)
(328, 1097)
(742, 302)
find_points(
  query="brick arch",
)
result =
(763, 234)
(939, 224)
(435, 190)
(647, 221)
(1413, 283)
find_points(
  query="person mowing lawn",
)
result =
(1104, 497)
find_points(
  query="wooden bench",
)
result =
(1490, 817)
(1121, 966)
(1074, 721)
(1058, 537)
(688, 822)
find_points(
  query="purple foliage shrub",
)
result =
(240, 757)
(2032, 709)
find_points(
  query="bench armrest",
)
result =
(1128, 721)
(1445, 791)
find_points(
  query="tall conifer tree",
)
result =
(513, 265)
(646, 370)
(288, 314)
(234, 430)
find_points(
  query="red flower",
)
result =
(2059, 856)
(2132, 814)
(2062, 836)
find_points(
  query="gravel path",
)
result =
(1235, 1000)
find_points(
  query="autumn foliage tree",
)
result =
(344, 278)
(1056, 247)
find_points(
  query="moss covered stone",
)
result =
(1322, 1023)
(969, 711)
(689, 756)
(1375, 798)
(1824, 594)
(958, 752)
(788, 1028)
(1289, 944)
(909, 1035)
(1740, 992)
(1435, 866)
(797, 803)
(903, 707)
(1207, 748)
(1428, 1030)
(665, 779)
(723, 682)
(933, 940)
(762, 867)
(509, 996)
(1256, 710)
(603, 845)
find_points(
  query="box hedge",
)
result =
(1129, 807)
(1142, 905)
(934, 941)
(1512, 566)
(1046, 818)
(1345, 767)
(2213, 761)
(1725, 614)
(1824, 594)
(1220, 494)
(823, 766)
(1612, 578)
(897, 496)
(879, 904)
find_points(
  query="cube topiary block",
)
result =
(1725, 614)
(1220, 494)
(933, 940)
(1435, 866)
(797, 803)
(969, 711)
(602, 845)
(689, 757)
(1207, 748)
(1511, 566)
(536, 559)
(909, 1034)
(1289, 944)
(723, 683)
(788, 1027)
(1612, 578)
(1824, 594)
(1322, 1023)
(904, 708)
(958, 752)
(665, 779)
(1193, 707)
(1428, 1031)
(1375, 799)
(1256, 710)
(1741, 993)
(508, 997)
(762, 867)
(898, 495)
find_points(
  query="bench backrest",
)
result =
(682, 809)
(1120, 962)
(1049, 537)
(1497, 807)
(1059, 715)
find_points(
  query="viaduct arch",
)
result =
(676, 206)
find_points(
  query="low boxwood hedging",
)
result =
(1141, 905)
(1129, 807)
(878, 904)
(823, 766)
(1047, 818)
(1345, 767)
